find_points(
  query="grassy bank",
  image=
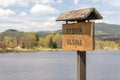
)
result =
(107, 45)
(41, 49)
(99, 45)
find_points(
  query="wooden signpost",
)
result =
(79, 36)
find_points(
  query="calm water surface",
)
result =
(101, 65)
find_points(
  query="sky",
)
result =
(40, 15)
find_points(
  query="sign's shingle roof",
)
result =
(81, 14)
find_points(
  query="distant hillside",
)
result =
(101, 30)
(107, 29)
(44, 33)
(12, 32)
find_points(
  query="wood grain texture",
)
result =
(81, 65)
(80, 14)
(78, 36)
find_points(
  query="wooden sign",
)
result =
(78, 36)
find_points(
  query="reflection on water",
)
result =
(101, 65)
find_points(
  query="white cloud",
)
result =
(109, 2)
(12, 26)
(46, 1)
(43, 1)
(52, 18)
(24, 3)
(6, 3)
(107, 12)
(32, 26)
(94, 1)
(23, 14)
(59, 1)
(76, 1)
(40, 9)
(48, 25)
(6, 12)
(29, 24)
(115, 3)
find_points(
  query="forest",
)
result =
(15, 40)
(106, 38)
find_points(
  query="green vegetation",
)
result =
(106, 37)
(13, 40)
(107, 29)
(107, 45)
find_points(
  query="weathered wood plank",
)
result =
(78, 36)
(81, 14)
(81, 65)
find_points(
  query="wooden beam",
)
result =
(81, 65)
(66, 22)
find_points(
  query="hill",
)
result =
(12, 32)
(107, 29)
(101, 30)
(44, 33)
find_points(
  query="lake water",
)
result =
(101, 65)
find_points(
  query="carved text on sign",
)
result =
(78, 36)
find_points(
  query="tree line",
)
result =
(31, 40)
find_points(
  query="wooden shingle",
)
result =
(81, 14)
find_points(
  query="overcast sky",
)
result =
(40, 15)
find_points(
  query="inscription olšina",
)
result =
(73, 41)
(78, 36)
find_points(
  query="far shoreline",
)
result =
(30, 50)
